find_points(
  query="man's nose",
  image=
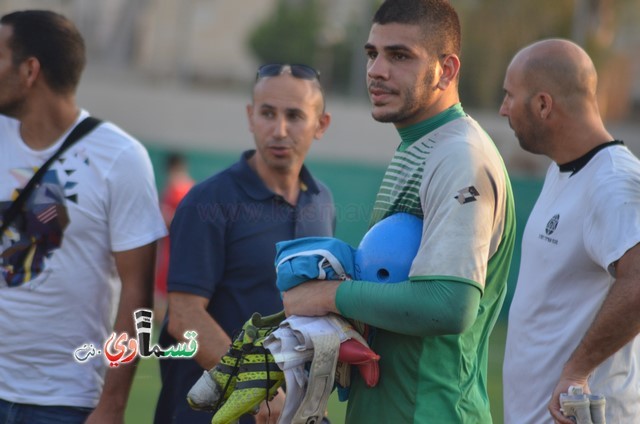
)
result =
(280, 128)
(377, 68)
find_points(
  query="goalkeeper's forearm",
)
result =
(418, 308)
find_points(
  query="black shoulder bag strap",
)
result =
(82, 129)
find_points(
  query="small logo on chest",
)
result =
(552, 224)
(551, 227)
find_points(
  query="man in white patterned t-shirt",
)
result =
(80, 257)
(574, 319)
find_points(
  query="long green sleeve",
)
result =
(418, 308)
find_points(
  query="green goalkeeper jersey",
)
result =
(448, 172)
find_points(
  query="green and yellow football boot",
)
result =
(258, 377)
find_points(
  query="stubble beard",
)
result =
(412, 103)
(14, 104)
(409, 109)
(531, 137)
(12, 108)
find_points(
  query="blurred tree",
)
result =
(494, 31)
(334, 59)
(298, 31)
(595, 26)
(289, 34)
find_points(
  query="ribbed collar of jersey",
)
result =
(414, 132)
(251, 183)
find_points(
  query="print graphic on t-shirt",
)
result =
(549, 229)
(36, 232)
(552, 224)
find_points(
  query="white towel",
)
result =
(292, 347)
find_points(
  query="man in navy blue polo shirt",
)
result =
(224, 233)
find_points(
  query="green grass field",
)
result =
(354, 187)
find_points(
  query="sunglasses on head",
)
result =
(297, 70)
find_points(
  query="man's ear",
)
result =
(30, 70)
(323, 123)
(543, 104)
(450, 66)
(250, 116)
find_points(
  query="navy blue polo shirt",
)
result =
(223, 238)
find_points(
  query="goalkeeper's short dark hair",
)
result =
(437, 18)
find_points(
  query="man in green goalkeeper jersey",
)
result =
(432, 331)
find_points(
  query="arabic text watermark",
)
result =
(122, 349)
